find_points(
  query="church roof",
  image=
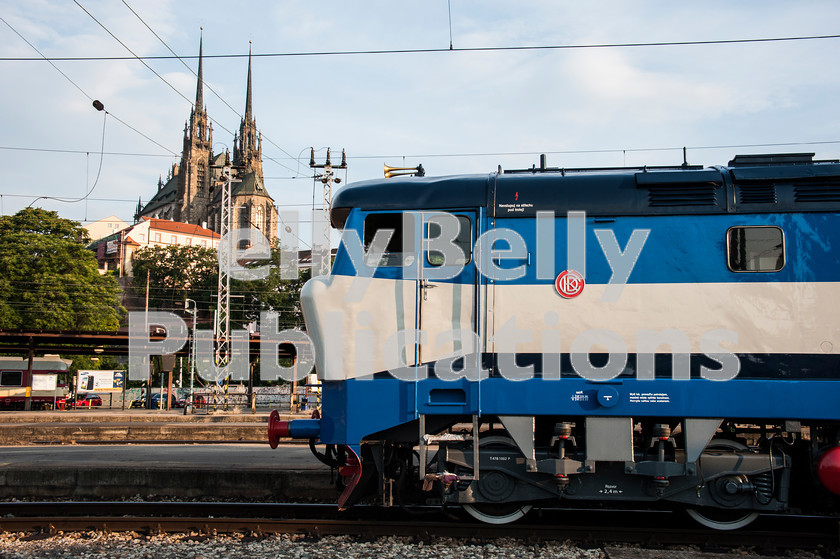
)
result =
(164, 196)
(250, 185)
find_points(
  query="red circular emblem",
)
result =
(569, 284)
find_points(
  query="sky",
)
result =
(464, 111)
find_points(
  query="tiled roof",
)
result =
(183, 228)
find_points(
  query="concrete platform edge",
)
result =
(93, 483)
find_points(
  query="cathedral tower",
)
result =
(248, 154)
(193, 191)
(194, 176)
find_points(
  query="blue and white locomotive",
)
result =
(665, 335)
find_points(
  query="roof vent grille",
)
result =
(772, 159)
(699, 194)
(757, 193)
(817, 191)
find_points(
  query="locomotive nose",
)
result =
(296, 428)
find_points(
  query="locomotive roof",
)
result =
(749, 184)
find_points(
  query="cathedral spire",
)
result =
(248, 111)
(199, 94)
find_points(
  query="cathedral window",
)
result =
(259, 219)
(200, 173)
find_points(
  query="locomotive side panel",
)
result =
(625, 355)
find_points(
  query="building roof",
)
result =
(250, 185)
(178, 227)
(166, 195)
(110, 219)
(104, 227)
(46, 363)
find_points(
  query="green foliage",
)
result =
(50, 281)
(176, 273)
(180, 272)
(93, 363)
(271, 294)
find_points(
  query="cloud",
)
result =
(443, 103)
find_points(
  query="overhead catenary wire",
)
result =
(466, 154)
(386, 51)
(115, 117)
(440, 155)
(587, 46)
(135, 56)
(449, 10)
(208, 86)
(77, 86)
(82, 151)
(164, 80)
(98, 172)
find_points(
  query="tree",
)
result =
(250, 298)
(50, 281)
(176, 273)
(180, 272)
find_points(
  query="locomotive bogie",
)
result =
(587, 462)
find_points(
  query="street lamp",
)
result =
(193, 311)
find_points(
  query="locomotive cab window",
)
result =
(755, 249)
(463, 240)
(11, 378)
(393, 255)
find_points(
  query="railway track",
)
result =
(584, 526)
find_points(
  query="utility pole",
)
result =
(327, 178)
(193, 310)
(222, 325)
(222, 315)
(148, 272)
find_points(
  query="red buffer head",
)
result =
(276, 429)
(828, 469)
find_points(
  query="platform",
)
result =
(102, 426)
(149, 472)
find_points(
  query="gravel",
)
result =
(195, 546)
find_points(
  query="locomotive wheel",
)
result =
(723, 519)
(503, 513)
(498, 484)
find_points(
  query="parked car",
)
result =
(79, 401)
(197, 401)
(157, 403)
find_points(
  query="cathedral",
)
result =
(192, 192)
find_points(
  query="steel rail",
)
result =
(591, 527)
